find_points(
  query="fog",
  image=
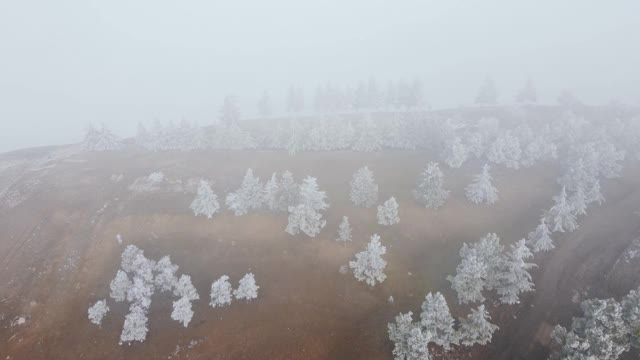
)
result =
(65, 64)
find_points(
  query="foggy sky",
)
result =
(66, 63)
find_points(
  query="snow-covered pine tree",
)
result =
(182, 311)
(100, 140)
(430, 192)
(184, 288)
(311, 196)
(540, 238)
(303, 218)
(481, 190)
(280, 192)
(578, 201)
(221, 292)
(119, 286)
(514, 278)
(135, 325)
(344, 230)
(165, 279)
(388, 212)
(455, 153)
(470, 276)
(98, 311)
(561, 213)
(437, 320)
(476, 328)
(247, 289)
(248, 197)
(369, 265)
(505, 150)
(364, 190)
(489, 251)
(410, 342)
(206, 201)
(631, 316)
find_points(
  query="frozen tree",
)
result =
(100, 140)
(505, 150)
(527, 94)
(540, 238)
(247, 289)
(303, 218)
(119, 286)
(128, 257)
(140, 292)
(561, 213)
(470, 276)
(248, 197)
(165, 279)
(489, 251)
(578, 201)
(514, 277)
(221, 292)
(206, 201)
(369, 265)
(601, 334)
(455, 153)
(135, 325)
(487, 95)
(280, 192)
(437, 320)
(344, 230)
(364, 190)
(388, 212)
(184, 288)
(481, 190)
(311, 196)
(430, 191)
(182, 311)
(370, 138)
(98, 311)
(410, 342)
(476, 328)
(631, 315)
(229, 113)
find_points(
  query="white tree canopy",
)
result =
(98, 311)
(437, 320)
(481, 190)
(248, 197)
(476, 328)
(369, 265)
(206, 201)
(221, 292)
(364, 190)
(540, 238)
(561, 214)
(388, 212)
(430, 192)
(344, 230)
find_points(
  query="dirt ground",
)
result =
(58, 253)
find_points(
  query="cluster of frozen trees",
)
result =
(607, 330)
(139, 278)
(101, 139)
(485, 266)
(437, 326)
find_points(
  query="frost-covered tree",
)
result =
(311, 196)
(388, 212)
(98, 311)
(139, 294)
(165, 279)
(280, 192)
(305, 219)
(481, 190)
(455, 153)
(135, 325)
(505, 150)
(221, 292)
(129, 255)
(410, 342)
(601, 334)
(182, 311)
(100, 140)
(247, 289)
(430, 191)
(561, 214)
(119, 286)
(364, 190)
(631, 316)
(470, 276)
(540, 238)
(490, 251)
(369, 265)
(578, 201)
(344, 230)
(206, 201)
(248, 197)
(476, 328)
(437, 320)
(514, 278)
(184, 288)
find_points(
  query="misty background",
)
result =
(65, 64)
